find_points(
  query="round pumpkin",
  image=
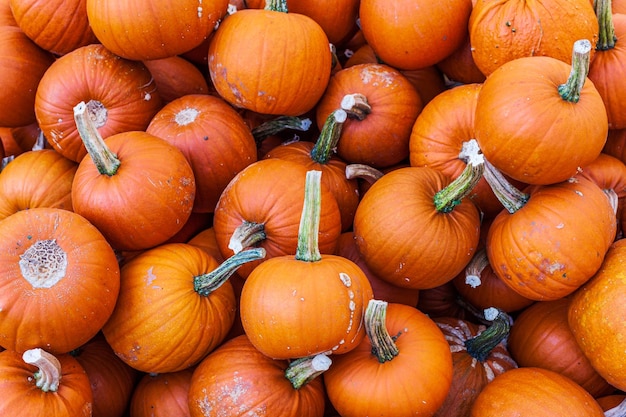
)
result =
(176, 76)
(162, 395)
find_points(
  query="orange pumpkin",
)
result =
(175, 77)
(162, 395)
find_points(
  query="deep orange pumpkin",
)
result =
(176, 77)
(21, 139)
(59, 278)
(337, 18)
(270, 61)
(162, 395)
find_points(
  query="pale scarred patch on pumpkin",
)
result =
(43, 264)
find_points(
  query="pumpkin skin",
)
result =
(547, 264)
(214, 139)
(176, 77)
(167, 326)
(596, 317)
(40, 178)
(398, 30)
(287, 78)
(121, 96)
(22, 64)
(162, 395)
(46, 23)
(84, 294)
(152, 192)
(501, 31)
(136, 30)
(541, 337)
(515, 393)
(548, 150)
(357, 384)
(399, 232)
(238, 380)
(23, 397)
(337, 18)
(21, 139)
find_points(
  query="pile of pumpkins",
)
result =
(312, 208)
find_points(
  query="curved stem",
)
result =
(606, 35)
(479, 347)
(277, 125)
(303, 370)
(308, 239)
(246, 235)
(276, 5)
(570, 91)
(510, 197)
(329, 137)
(365, 172)
(48, 376)
(205, 284)
(445, 200)
(475, 267)
(356, 106)
(383, 345)
(105, 160)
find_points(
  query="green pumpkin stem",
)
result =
(570, 91)
(105, 160)
(509, 196)
(480, 347)
(383, 345)
(276, 5)
(205, 284)
(246, 235)
(48, 377)
(303, 370)
(364, 172)
(356, 105)
(329, 137)
(606, 35)
(308, 239)
(277, 125)
(446, 199)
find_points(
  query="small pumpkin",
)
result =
(162, 395)
(175, 77)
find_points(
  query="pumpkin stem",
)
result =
(48, 376)
(479, 347)
(308, 240)
(105, 160)
(205, 284)
(606, 35)
(570, 91)
(365, 172)
(356, 106)
(613, 198)
(510, 197)
(276, 5)
(475, 267)
(446, 199)
(303, 370)
(277, 125)
(329, 137)
(617, 411)
(383, 345)
(246, 235)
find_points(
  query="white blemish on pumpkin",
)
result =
(43, 264)
(186, 116)
(345, 278)
(301, 298)
(150, 277)
(294, 292)
(147, 96)
(199, 12)
(473, 280)
(377, 78)
(579, 193)
(555, 267)
(59, 120)
(560, 226)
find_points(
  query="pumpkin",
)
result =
(23, 65)
(516, 393)
(414, 34)
(443, 301)
(606, 70)
(40, 178)
(270, 61)
(20, 139)
(262, 206)
(59, 280)
(37, 383)
(162, 395)
(596, 317)
(611, 401)
(6, 14)
(382, 106)
(479, 354)
(555, 222)
(147, 181)
(501, 31)
(237, 380)
(175, 77)
(548, 150)
(294, 306)
(153, 30)
(373, 378)
(337, 18)
(183, 313)
(214, 139)
(415, 229)
(120, 95)
(46, 23)
(459, 66)
(112, 381)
